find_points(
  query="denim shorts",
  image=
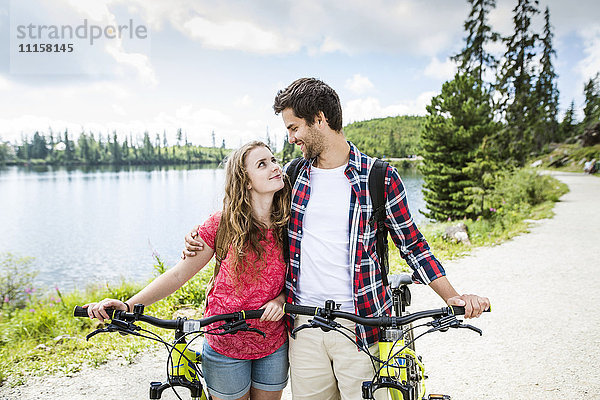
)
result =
(230, 378)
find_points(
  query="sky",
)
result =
(216, 66)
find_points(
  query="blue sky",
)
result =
(216, 65)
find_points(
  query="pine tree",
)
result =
(83, 148)
(392, 145)
(117, 157)
(547, 91)
(125, 150)
(458, 121)
(157, 145)
(69, 148)
(568, 126)
(591, 110)
(287, 153)
(479, 33)
(148, 150)
(38, 146)
(4, 151)
(515, 84)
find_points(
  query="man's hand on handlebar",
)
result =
(98, 310)
(191, 244)
(474, 305)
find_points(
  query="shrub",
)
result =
(16, 280)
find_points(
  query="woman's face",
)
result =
(264, 171)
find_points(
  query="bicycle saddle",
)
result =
(397, 280)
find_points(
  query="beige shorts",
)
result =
(327, 366)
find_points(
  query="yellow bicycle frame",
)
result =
(397, 367)
(183, 360)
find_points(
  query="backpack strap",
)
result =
(377, 192)
(292, 171)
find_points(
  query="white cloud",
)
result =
(139, 62)
(119, 109)
(331, 45)
(4, 83)
(590, 65)
(243, 101)
(93, 9)
(370, 107)
(104, 13)
(238, 35)
(12, 128)
(350, 27)
(359, 84)
(440, 70)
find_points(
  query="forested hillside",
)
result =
(390, 137)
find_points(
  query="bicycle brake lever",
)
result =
(317, 322)
(295, 330)
(108, 328)
(236, 326)
(471, 327)
(445, 323)
(323, 323)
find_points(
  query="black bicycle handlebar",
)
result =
(189, 325)
(179, 323)
(383, 321)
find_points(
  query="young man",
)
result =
(332, 246)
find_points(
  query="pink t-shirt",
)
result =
(225, 298)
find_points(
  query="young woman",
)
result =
(252, 223)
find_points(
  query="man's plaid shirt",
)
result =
(371, 298)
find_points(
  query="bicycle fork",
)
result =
(182, 373)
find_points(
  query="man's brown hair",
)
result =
(307, 97)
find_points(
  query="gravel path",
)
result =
(540, 342)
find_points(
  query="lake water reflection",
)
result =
(97, 225)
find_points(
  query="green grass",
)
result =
(506, 222)
(44, 338)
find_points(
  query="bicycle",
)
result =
(183, 363)
(398, 368)
(401, 370)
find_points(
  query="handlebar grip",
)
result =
(302, 310)
(460, 310)
(81, 312)
(253, 314)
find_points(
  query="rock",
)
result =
(591, 135)
(536, 164)
(457, 233)
(61, 339)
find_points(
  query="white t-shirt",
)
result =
(325, 271)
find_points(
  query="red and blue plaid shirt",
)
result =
(371, 298)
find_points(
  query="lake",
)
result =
(102, 225)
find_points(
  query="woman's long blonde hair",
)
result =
(239, 227)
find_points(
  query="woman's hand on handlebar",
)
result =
(274, 309)
(98, 310)
(192, 245)
(474, 305)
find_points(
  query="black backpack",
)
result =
(377, 191)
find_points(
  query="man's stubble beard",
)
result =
(314, 145)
